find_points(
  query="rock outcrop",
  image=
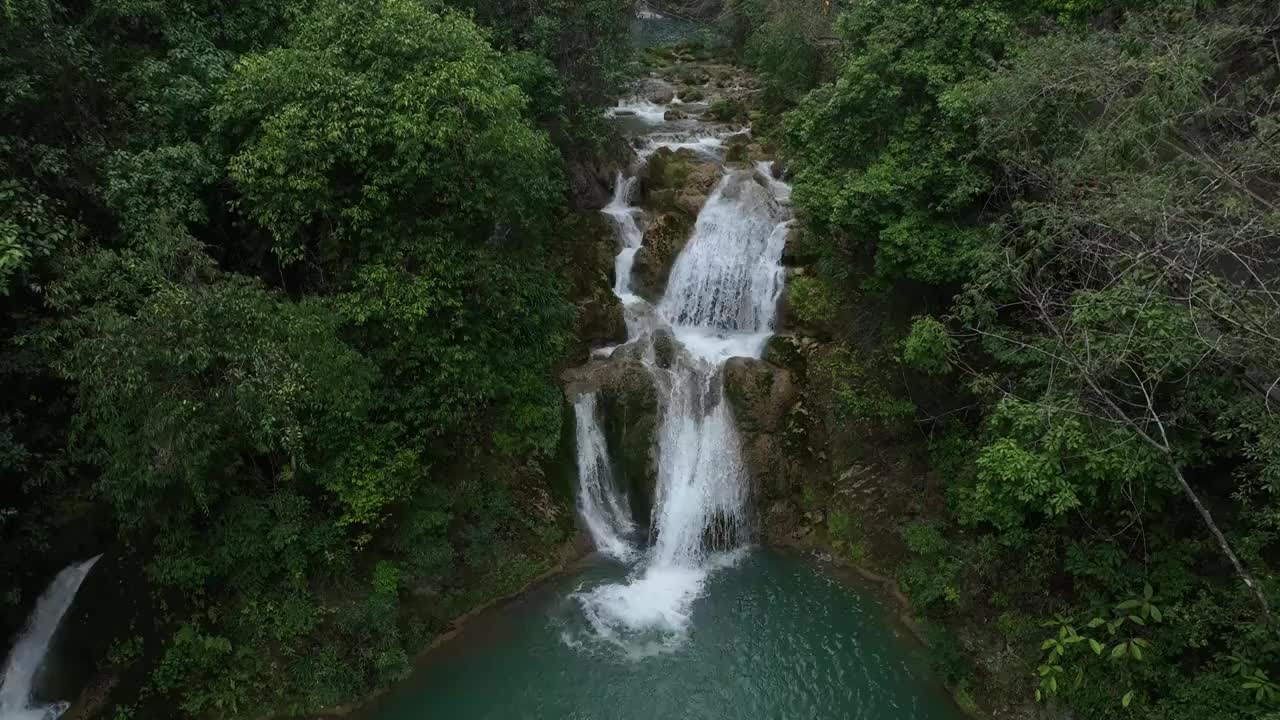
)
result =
(628, 404)
(665, 237)
(760, 394)
(674, 187)
(678, 180)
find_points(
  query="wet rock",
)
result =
(691, 94)
(767, 459)
(786, 352)
(665, 237)
(760, 393)
(673, 115)
(601, 319)
(670, 175)
(664, 347)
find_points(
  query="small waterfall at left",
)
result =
(605, 510)
(28, 654)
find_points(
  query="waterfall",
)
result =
(630, 235)
(29, 652)
(720, 302)
(604, 510)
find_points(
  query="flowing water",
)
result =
(28, 653)
(776, 637)
(685, 618)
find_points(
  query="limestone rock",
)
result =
(664, 347)
(669, 175)
(760, 393)
(663, 240)
(601, 320)
(785, 351)
(691, 94)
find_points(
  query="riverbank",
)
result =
(570, 556)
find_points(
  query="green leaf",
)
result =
(1097, 646)
(1118, 651)
(1128, 698)
(1147, 591)
(1155, 614)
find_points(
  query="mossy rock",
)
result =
(600, 319)
(678, 180)
(737, 154)
(691, 94)
(759, 393)
(627, 401)
(664, 239)
(726, 109)
(629, 407)
(786, 352)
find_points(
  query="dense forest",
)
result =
(287, 285)
(282, 304)
(1044, 235)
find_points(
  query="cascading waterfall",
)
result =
(603, 508)
(29, 652)
(720, 302)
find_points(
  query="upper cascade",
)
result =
(729, 277)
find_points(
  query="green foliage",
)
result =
(928, 346)
(886, 152)
(812, 301)
(932, 575)
(858, 391)
(1081, 196)
(781, 42)
(274, 275)
(414, 119)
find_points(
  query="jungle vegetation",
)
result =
(1079, 203)
(282, 306)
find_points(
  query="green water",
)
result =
(774, 637)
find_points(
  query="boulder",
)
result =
(679, 180)
(737, 154)
(785, 351)
(600, 319)
(664, 347)
(760, 393)
(671, 175)
(673, 115)
(691, 94)
(663, 240)
(662, 95)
